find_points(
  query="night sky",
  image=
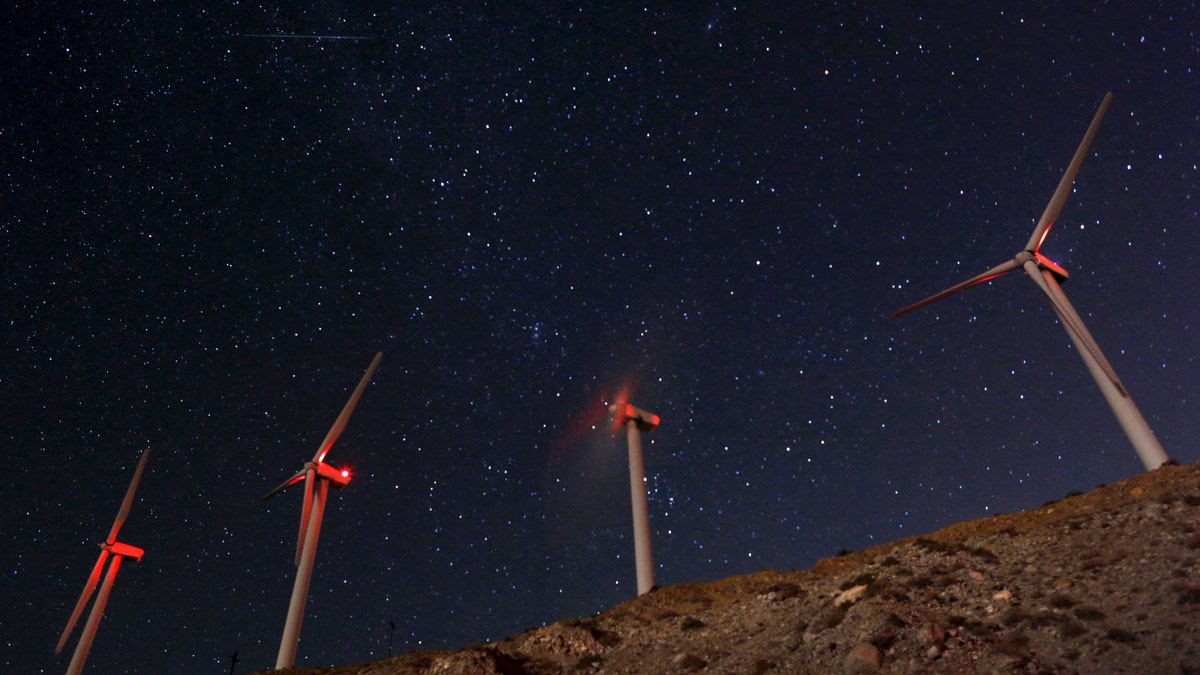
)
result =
(213, 219)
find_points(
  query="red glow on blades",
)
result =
(1045, 232)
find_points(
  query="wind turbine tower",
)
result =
(636, 420)
(1048, 276)
(118, 552)
(312, 510)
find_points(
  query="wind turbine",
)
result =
(1048, 276)
(636, 420)
(118, 551)
(313, 509)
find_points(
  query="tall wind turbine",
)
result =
(118, 552)
(313, 509)
(636, 420)
(1048, 276)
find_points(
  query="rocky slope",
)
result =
(1104, 582)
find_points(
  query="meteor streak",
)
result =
(293, 36)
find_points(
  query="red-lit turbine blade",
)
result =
(998, 270)
(88, 589)
(128, 501)
(1073, 324)
(286, 484)
(336, 430)
(1064, 186)
(305, 512)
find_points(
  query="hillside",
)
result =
(1100, 582)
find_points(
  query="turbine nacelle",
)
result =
(1050, 266)
(623, 413)
(124, 550)
(338, 478)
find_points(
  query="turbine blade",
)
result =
(1064, 186)
(998, 270)
(128, 501)
(1072, 323)
(305, 512)
(336, 430)
(88, 589)
(286, 484)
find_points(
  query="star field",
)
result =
(214, 217)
